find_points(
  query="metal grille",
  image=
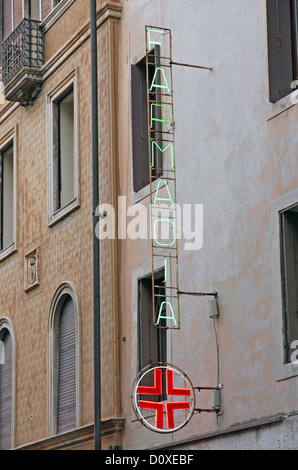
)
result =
(23, 48)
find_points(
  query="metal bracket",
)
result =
(217, 408)
(190, 65)
(213, 294)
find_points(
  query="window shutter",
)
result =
(290, 255)
(6, 394)
(66, 406)
(148, 340)
(7, 18)
(139, 126)
(280, 58)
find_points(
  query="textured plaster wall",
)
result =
(66, 247)
(237, 163)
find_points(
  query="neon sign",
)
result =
(171, 398)
(163, 397)
(164, 217)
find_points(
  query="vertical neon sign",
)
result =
(161, 141)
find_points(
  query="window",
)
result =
(282, 47)
(7, 197)
(7, 200)
(64, 367)
(63, 152)
(152, 340)
(141, 177)
(6, 392)
(289, 271)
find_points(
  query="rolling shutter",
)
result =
(7, 18)
(6, 394)
(280, 58)
(66, 406)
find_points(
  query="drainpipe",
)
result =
(96, 261)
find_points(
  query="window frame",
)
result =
(9, 139)
(161, 333)
(56, 214)
(139, 63)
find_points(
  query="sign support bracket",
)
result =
(213, 294)
(190, 65)
(216, 407)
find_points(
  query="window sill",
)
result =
(137, 196)
(8, 251)
(275, 109)
(287, 371)
(63, 212)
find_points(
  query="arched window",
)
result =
(64, 363)
(6, 379)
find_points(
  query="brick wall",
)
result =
(46, 7)
(17, 12)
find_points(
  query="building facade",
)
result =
(46, 225)
(197, 111)
(235, 154)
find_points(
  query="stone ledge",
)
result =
(77, 439)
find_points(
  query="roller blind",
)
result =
(66, 406)
(6, 394)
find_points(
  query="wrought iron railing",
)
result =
(23, 48)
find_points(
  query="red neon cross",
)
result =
(158, 406)
(156, 389)
(180, 392)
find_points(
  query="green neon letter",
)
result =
(154, 232)
(165, 121)
(163, 198)
(150, 42)
(152, 152)
(156, 85)
(172, 317)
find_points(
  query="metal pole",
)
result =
(96, 261)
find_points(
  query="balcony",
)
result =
(22, 59)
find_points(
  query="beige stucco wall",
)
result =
(65, 247)
(242, 166)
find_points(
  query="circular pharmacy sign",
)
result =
(163, 398)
